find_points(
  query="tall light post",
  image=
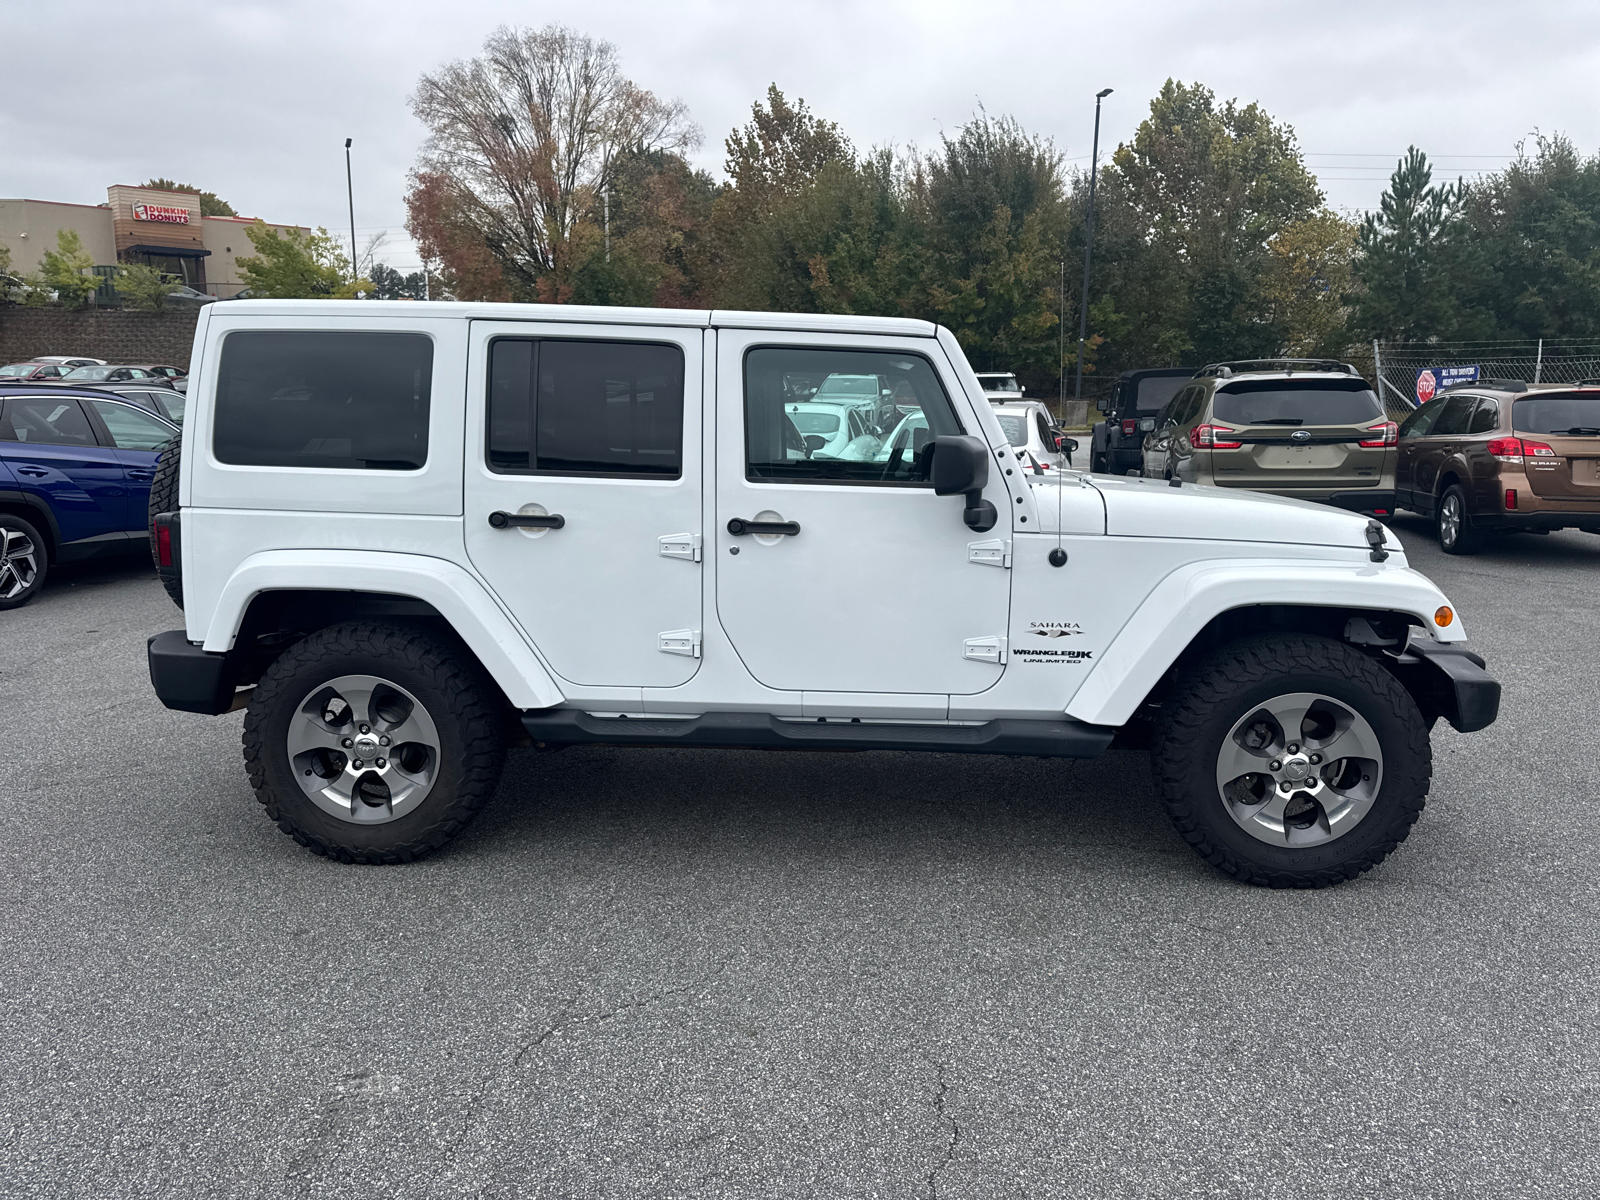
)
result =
(350, 192)
(1088, 243)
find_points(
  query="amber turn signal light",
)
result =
(1443, 616)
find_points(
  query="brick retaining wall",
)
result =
(116, 335)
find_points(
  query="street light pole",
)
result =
(350, 191)
(1088, 243)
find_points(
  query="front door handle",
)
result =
(35, 472)
(505, 520)
(738, 526)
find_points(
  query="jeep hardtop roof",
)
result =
(576, 313)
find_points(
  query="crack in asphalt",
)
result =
(955, 1134)
(563, 1016)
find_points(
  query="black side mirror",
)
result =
(961, 468)
(1101, 404)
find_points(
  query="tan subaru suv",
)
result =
(1312, 429)
(1503, 455)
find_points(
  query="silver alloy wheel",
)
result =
(363, 749)
(1450, 518)
(19, 563)
(1299, 770)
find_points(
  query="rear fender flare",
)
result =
(458, 596)
(1187, 600)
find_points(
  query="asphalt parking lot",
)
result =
(678, 973)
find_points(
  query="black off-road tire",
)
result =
(1244, 674)
(164, 499)
(1469, 538)
(41, 557)
(462, 701)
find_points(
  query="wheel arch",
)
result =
(274, 598)
(1200, 607)
(19, 504)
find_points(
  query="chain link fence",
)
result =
(1397, 367)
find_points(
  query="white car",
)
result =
(398, 530)
(833, 430)
(70, 360)
(1000, 385)
(1032, 431)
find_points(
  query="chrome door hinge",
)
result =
(996, 552)
(985, 649)
(679, 641)
(680, 545)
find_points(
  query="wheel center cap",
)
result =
(1295, 769)
(365, 748)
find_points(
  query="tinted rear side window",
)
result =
(1575, 414)
(586, 408)
(1291, 402)
(328, 399)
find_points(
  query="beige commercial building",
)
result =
(164, 229)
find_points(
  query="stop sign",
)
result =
(1426, 385)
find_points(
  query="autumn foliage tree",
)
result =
(524, 140)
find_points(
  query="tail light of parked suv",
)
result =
(1129, 427)
(1388, 435)
(1515, 450)
(1211, 437)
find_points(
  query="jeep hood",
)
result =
(1153, 508)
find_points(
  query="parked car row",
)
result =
(93, 371)
(1491, 455)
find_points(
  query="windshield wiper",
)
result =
(1582, 431)
(1282, 421)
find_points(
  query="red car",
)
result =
(29, 372)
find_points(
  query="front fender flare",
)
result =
(458, 596)
(1183, 603)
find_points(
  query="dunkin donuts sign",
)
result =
(168, 213)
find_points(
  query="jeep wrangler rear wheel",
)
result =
(372, 743)
(1292, 761)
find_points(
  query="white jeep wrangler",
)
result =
(407, 535)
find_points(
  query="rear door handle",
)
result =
(738, 526)
(34, 471)
(505, 520)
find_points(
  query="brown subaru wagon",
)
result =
(1502, 455)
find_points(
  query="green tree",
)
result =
(1190, 208)
(296, 265)
(1536, 230)
(990, 205)
(211, 205)
(1308, 284)
(142, 286)
(67, 271)
(1410, 254)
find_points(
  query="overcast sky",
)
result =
(253, 100)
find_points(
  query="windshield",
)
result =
(19, 369)
(999, 383)
(1156, 391)
(1015, 428)
(849, 385)
(87, 373)
(1297, 402)
(1573, 414)
(814, 422)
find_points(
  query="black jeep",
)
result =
(1138, 396)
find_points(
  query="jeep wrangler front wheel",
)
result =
(372, 743)
(1292, 761)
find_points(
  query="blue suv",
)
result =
(75, 472)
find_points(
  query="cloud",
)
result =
(254, 100)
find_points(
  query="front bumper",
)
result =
(187, 678)
(1448, 681)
